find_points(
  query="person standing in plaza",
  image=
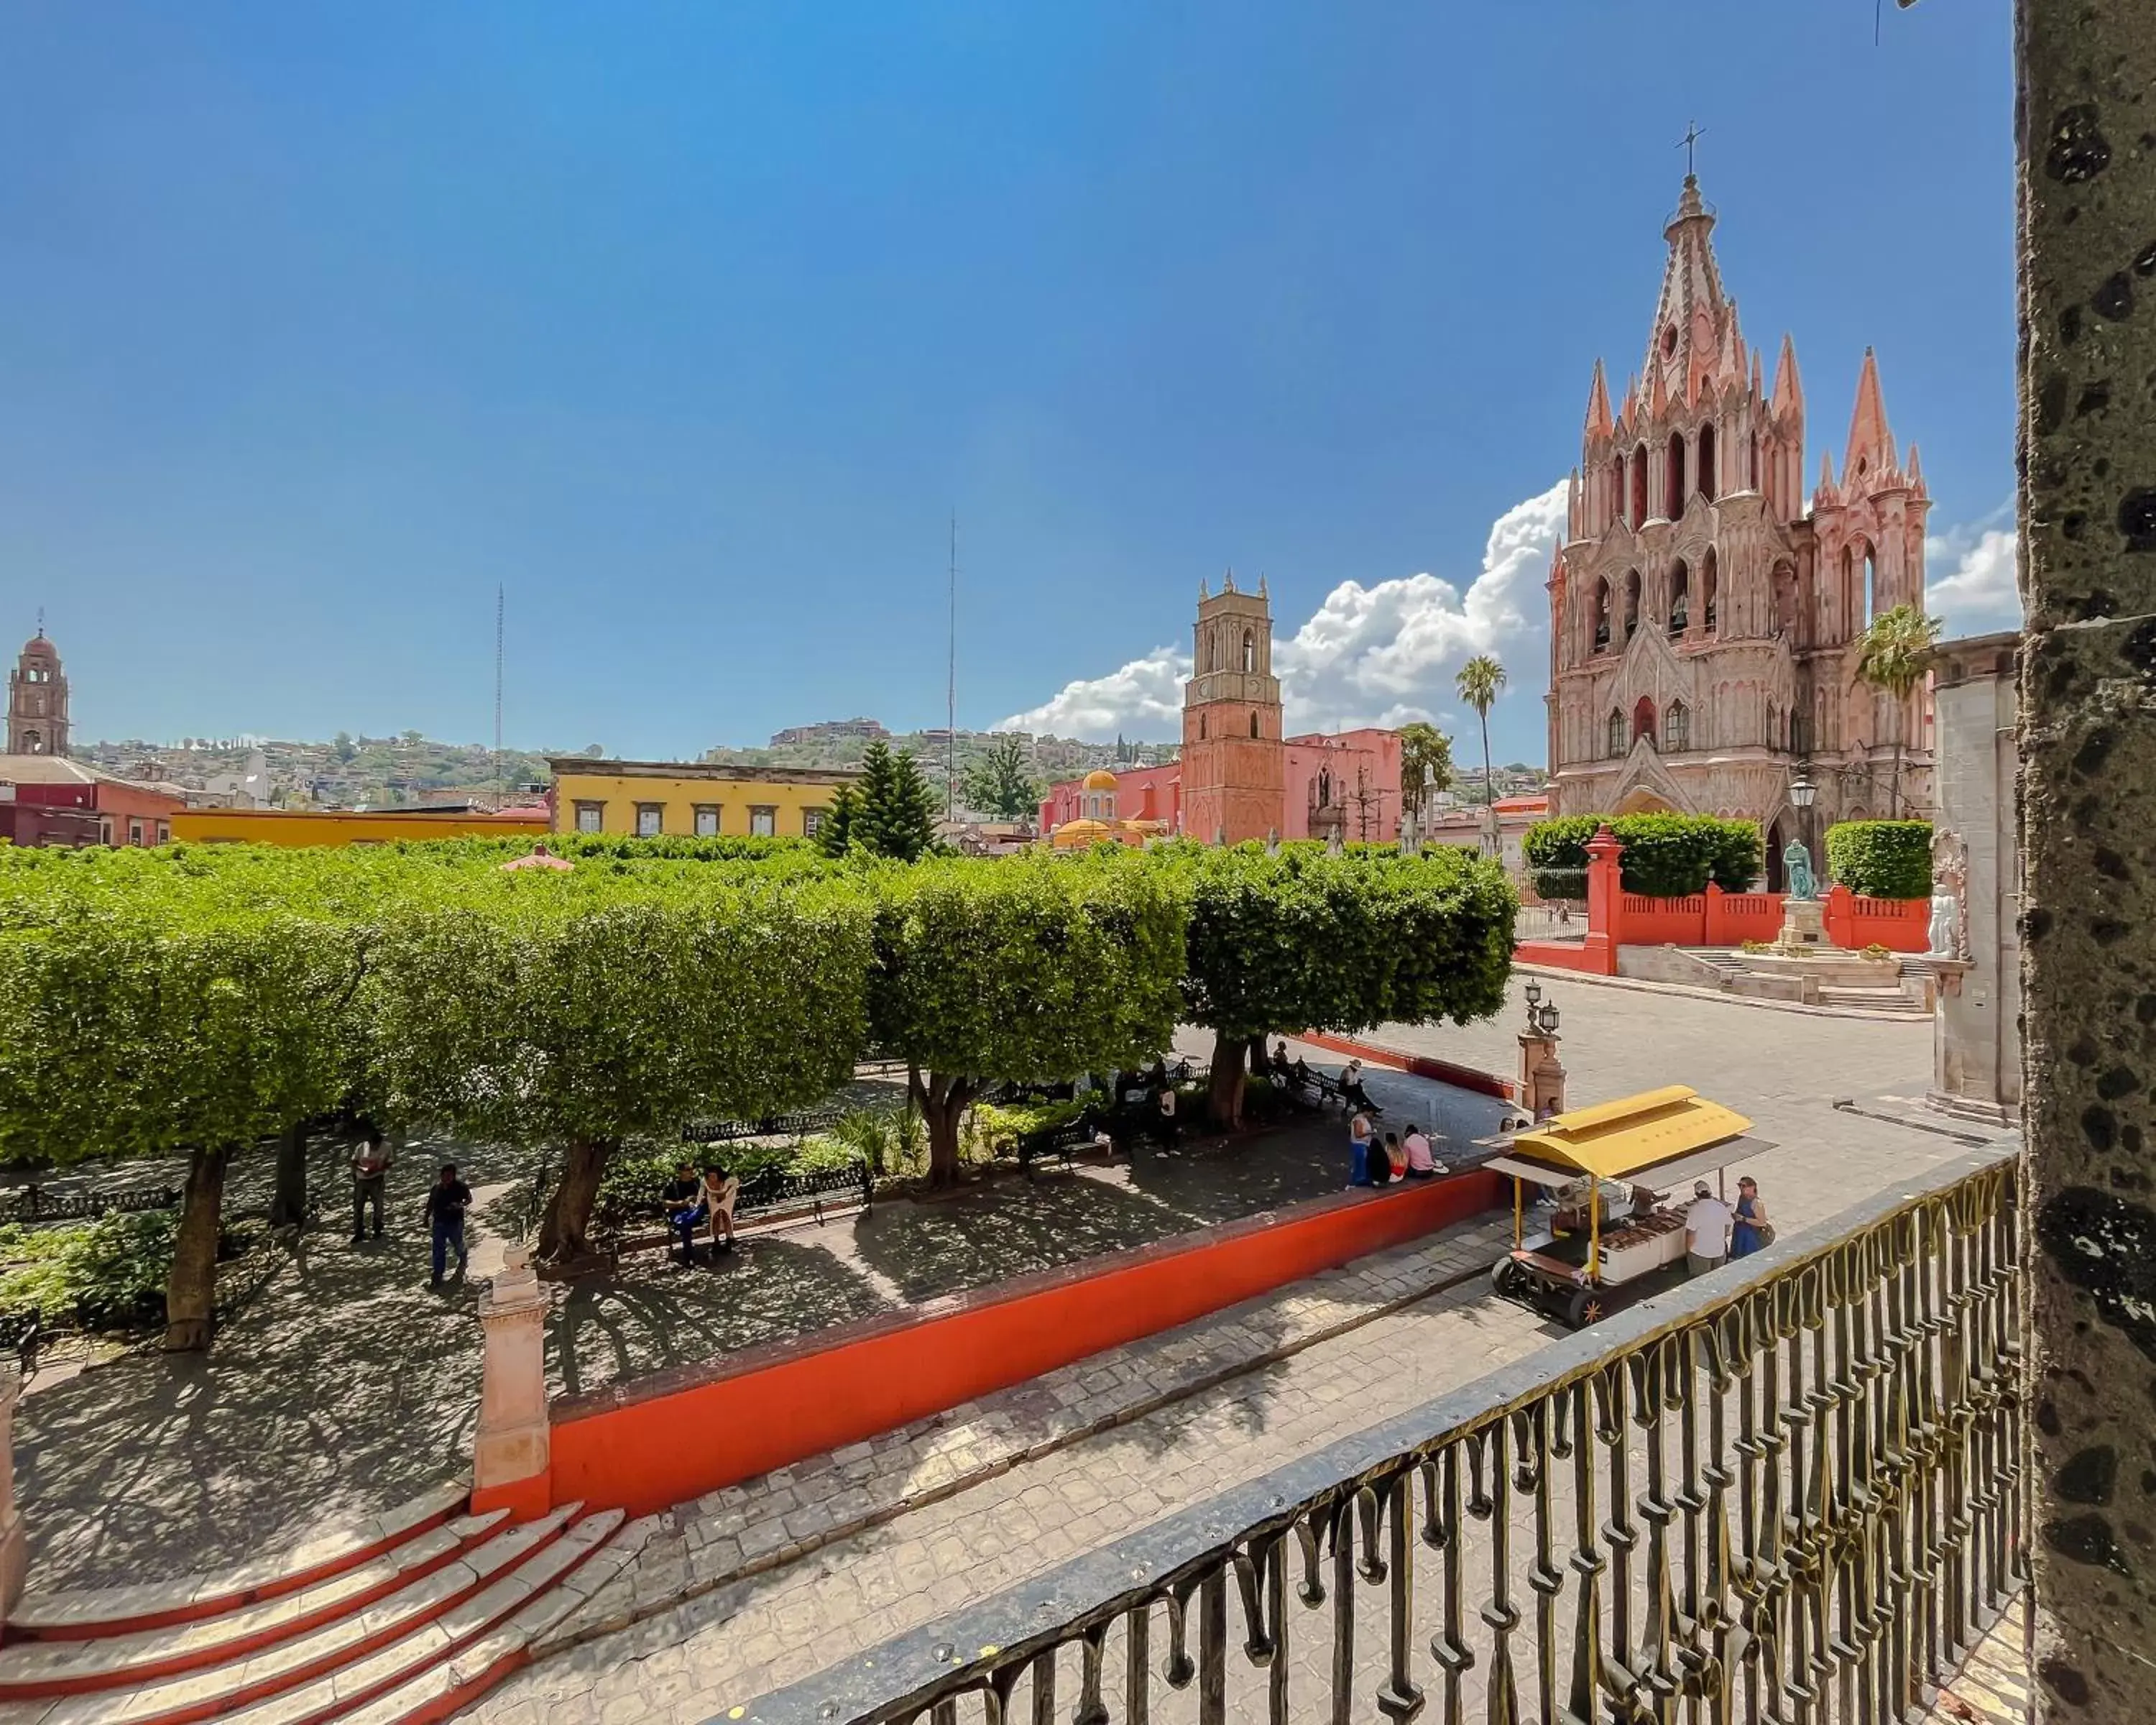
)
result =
(720, 1191)
(1707, 1223)
(1751, 1229)
(1358, 1149)
(370, 1161)
(447, 1200)
(1169, 1129)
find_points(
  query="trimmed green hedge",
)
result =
(1882, 859)
(1666, 856)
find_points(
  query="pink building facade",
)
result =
(1345, 785)
(1142, 793)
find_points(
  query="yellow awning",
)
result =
(1613, 1140)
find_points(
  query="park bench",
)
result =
(770, 1194)
(86, 1203)
(771, 1126)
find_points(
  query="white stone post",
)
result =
(511, 1454)
(14, 1545)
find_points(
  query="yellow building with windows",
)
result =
(690, 798)
(346, 826)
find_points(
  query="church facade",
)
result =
(1705, 615)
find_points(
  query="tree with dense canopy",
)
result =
(1303, 940)
(1031, 968)
(1001, 782)
(892, 812)
(1425, 764)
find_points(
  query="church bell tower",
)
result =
(1234, 764)
(38, 700)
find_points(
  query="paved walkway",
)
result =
(714, 1642)
(342, 1385)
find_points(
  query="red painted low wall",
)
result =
(1472, 1078)
(1589, 957)
(667, 1437)
(1901, 924)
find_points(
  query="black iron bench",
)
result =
(33, 1203)
(797, 1125)
(765, 1195)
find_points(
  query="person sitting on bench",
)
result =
(1281, 1064)
(683, 1211)
(717, 1196)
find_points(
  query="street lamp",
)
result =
(1802, 793)
(1548, 1020)
(1533, 991)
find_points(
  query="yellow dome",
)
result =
(1073, 834)
(1100, 779)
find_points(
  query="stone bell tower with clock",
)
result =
(1235, 763)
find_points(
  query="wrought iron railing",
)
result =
(1790, 1492)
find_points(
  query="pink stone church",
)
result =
(1704, 615)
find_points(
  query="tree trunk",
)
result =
(1258, 1066)
(1224, 1098)
(288, 1207)
(1894, 790)
(191, 1290)
(568, 1218)
(942, 1099)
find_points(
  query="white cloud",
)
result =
(1972, 574)
(1142, 699)
(1382, 655)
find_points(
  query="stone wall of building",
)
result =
(1977, 1035)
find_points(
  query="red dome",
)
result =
(39, 643)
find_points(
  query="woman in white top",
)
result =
(720, 1191)
(1358, 1149)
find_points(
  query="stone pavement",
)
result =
(340, 1385)
(694, 1658)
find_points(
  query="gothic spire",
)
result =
(1692, 306)
(1870, 448)
(1598, 405)
(1788, 395)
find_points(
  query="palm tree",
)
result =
(1478, 682)
(1893, 655)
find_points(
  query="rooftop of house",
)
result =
(569, 766)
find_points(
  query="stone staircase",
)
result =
(408, 1617)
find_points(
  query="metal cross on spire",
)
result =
(1693, 133)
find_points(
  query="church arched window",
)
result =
(1680, 598)
(1871, 584)
(1707, 474)
(1250, 657)
(1639, 485)
(1643, 719)
(1254, 724)
(1709, 578)
(1631, 602)
(1602, 615)
(1616, 734)
(1201, 727)
(1673, 478)
(1677, 728)
(1618, 494)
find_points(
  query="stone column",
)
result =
(2087, 172)
(1604, 902)
(1542, 1075)
(14, 1546)
(512, 1455)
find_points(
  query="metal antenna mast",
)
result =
(951, 691)
(499, 785)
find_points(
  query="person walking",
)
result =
(1707, 1223)
(370, 1161)
(1751, 1229)
(447, 1200)
(1170, 1130)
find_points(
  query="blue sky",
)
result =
(692, 323)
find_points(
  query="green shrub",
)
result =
(105, 1274)
(1666, 856)
(1882, 859)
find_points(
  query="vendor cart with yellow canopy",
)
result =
(1606, 1224)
